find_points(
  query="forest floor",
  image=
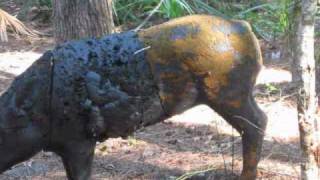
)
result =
(196, 142)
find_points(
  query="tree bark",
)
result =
(76, 19)
(306, 100)
(295, 24)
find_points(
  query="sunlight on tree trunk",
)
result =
(76, 19)
(307, 101)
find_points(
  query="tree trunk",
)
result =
(292, 42)
(75, 19)
(307, 101)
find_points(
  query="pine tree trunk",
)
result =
(307, 101)
(76, 19)
(295, 24)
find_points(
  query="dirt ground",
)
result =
(197, 142)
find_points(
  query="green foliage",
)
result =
(28, 4)
(271, 88)
(175, 8)
(138, 9)
(132, 141)
(131, 12)
(270, 19)
(47, 3)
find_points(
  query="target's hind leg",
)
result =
(250, 122)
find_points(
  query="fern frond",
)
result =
(9, 22)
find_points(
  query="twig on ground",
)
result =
(224, 161)
(193, 173)
(278, 173)
(225, 149)
(287, 96)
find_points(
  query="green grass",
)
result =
(269, 19)
(139, 9)
(175, 8)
